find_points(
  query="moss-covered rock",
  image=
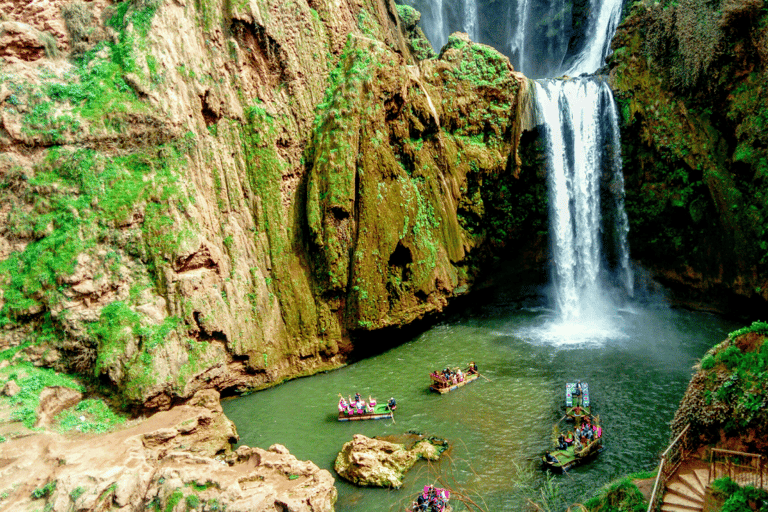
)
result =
(400, 161)
(173, 219)
(685, 76)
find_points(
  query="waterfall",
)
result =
(470, 20)
(602, 23)
(579, 119)
(517, 34)
(581, 127)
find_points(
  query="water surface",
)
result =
(637, 370)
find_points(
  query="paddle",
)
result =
(483, 376)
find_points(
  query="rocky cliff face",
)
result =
(687, 75)
(225, 194)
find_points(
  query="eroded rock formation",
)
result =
(685, 75)
(174, 460)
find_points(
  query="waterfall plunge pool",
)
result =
(638, 370)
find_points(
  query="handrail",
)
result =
(661, 476)
(745, 471)
(652, 500)
(673, 443)
(733, 452)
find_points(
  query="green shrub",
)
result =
(44, 491)
(620, 496)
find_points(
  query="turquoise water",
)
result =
(637, 363)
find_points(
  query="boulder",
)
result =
(11, 388)
(374, 462)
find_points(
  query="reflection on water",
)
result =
(500, 424)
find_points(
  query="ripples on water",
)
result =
(637, 362)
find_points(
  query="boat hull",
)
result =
(380, 413)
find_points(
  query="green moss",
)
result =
(96, 416)
(31, 381)
(737, 377)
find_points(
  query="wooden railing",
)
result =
(743, 468)
(673, 456)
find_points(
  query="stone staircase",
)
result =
(685, 491)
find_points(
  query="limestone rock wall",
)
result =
(222, 194)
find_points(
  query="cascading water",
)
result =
(470, 19)
(516, 33)
(603, 20)
(580, 124)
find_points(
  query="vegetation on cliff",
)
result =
(727, 399)
(687, 76)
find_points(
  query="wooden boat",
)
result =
(563, 460)
(577, 405)
(380, 412)
(442, 385)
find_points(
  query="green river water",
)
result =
(637, 363)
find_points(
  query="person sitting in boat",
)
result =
(561, 442)
(472, 368)
(569, 439)
(459, 375)
(551, 458)
(343, 405)
(422, 504)
(371, 404)
(392, 404)
(588, 432)
(577, 391)
(598, 431)
(357, 397)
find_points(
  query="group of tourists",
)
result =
(350, 407)
(582, 435)
(432, 499)
(448, 377)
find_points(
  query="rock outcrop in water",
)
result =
(377, 463)
(224, 195)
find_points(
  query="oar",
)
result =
(483, 376)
